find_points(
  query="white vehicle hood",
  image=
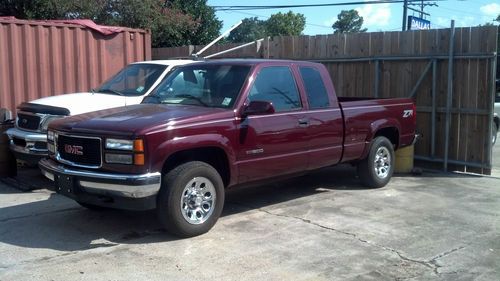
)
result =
(78, 103)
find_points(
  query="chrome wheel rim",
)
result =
(198, 200)
(382, 162)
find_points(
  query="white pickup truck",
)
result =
(28, 139)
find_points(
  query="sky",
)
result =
(379, 17)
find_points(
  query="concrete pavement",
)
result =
(324, 226)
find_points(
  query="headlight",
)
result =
(51, 148)
(50, 135)
(46, 121)
(119, 158)
(120, 144)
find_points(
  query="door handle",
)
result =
(304, 122)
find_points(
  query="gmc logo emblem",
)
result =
(73, 149)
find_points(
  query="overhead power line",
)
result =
(266, 7)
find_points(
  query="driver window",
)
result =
(188, 82)
(276, 84)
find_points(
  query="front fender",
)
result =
(177, 144)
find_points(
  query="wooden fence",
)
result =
(402, 64)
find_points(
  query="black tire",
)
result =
(377, 175)
(177, 215)
(494, 132)
(92, 207)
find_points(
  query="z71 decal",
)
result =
(407, 113)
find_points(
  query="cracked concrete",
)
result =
(324, 226)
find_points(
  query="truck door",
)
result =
(325, 124)
(273, 144)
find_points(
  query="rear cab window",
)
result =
(317, 96)
(277, 85)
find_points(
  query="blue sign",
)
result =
(415, 23)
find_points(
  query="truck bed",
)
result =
(359, 114)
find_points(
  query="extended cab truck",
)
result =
(28, 140)
(221, 124)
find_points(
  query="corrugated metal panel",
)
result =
(40, 59)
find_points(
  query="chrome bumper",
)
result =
(30, 138)
(123, 185)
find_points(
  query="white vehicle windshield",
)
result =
(133, 80)
(202, 85)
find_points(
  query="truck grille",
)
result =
(28, 121)
(80, 151)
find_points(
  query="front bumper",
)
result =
(28, 146)
(120, 191)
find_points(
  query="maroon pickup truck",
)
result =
(215, 125)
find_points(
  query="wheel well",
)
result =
(214, 156)
(496, 120)
(391, 133)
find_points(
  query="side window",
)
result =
(315, 88)
(277, 85)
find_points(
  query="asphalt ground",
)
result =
(323, 226)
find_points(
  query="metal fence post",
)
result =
(433, 113)
(449, 96)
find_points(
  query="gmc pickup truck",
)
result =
(28, 140)
(221, 124)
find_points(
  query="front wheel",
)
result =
(376, 169)
(191, 199)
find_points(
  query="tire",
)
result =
(92, 207)
(191, 199)
(376, 169)
(494, 132)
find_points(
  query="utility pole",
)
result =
(405, 14)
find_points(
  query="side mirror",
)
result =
(258, 108)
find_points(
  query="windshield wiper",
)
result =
(110, 91)
(188, 96)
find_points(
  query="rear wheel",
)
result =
(377, 168)
(191, 199)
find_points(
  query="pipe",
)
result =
(218, 38)
(234, 49)
(420, 79)
(455, 162)
(433, 112)
(449, 96)
(377, 79)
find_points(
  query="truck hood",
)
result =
(78, 103)
(137, 119)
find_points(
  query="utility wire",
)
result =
(239, 7)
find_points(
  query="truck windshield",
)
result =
(133, 80)
(201, 85)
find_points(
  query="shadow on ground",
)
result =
(60, 224)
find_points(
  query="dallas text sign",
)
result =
(415, 23)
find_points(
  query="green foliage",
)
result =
(348, 21)
(251, 29)
(285, 24)
(172, 22)
(208, 25)
(278, 24)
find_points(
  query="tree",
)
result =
(172, 22)
(348, 21)
(250, 29)
(208, 27)
(285, 24)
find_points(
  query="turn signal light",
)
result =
(139, 145)
(139, 159)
